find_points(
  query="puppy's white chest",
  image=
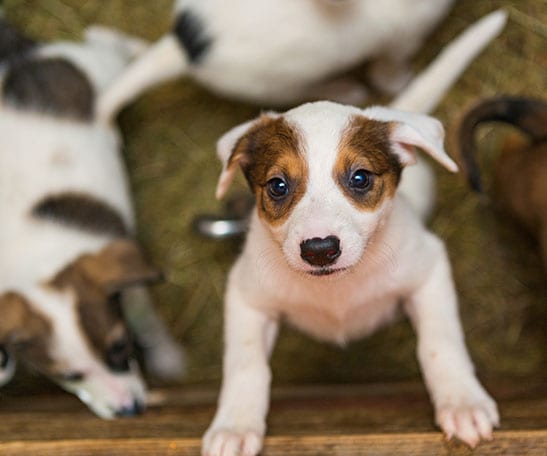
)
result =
(337, 310)
(339, 321)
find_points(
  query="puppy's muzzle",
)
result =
(320, 251)
(134, 409)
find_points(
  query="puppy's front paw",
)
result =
(469, 417)
(231, 442)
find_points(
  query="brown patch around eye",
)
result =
(26, 330)
(365, 145)
(272, 149)
(99, 315)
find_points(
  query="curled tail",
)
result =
(164, 61)
(425, 92)
(527, 114)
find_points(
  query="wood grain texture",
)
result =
(377, 419)
(530, 443)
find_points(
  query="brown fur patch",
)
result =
(96, 281)
(52, 85)
(272, 149)
(81, 211)
(25, 330)
(366, 145)
(119, 265)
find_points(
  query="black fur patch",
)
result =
(51, 85)
(191, 35)
(13, 44)
(83, 212)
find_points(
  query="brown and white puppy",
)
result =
(336, 244)
(69, 264)
(521, 173)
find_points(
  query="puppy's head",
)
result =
(72, 329)
(325, 175)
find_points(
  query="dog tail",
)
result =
(164, 61)
(527, 114)
(425, 91)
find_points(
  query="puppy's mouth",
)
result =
(320, 272)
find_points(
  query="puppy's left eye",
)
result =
(277, 188)
(361, 180)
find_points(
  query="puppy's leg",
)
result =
(240, 421)
(7, 366)
(163, 62)
(164, 358)
(463, 408)
(129, 45)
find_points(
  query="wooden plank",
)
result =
(313, 420)
(530, 443)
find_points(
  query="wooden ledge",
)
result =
(392, 419)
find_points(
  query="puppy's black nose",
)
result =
(320, 251)
(135, 409)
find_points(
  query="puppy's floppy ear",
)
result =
(117, 266)
(410, 130)
(231, 155)
(19, 322)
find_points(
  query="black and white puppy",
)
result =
(70, 266)
(279, 52)
(337, 242)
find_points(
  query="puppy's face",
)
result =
(72, 329)
(324, 176)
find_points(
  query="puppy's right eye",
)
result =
(361, 181)
(277, 188)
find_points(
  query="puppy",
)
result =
(69, 263)
(336, 243)
(523, 164)
(277, 52)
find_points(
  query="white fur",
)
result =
(387, 257)
(41, 155)
(283, 51)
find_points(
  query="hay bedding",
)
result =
(170, 135)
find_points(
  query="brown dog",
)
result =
(521, 174)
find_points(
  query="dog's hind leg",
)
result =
(164, 61)
(129, 45)
(163, 356)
